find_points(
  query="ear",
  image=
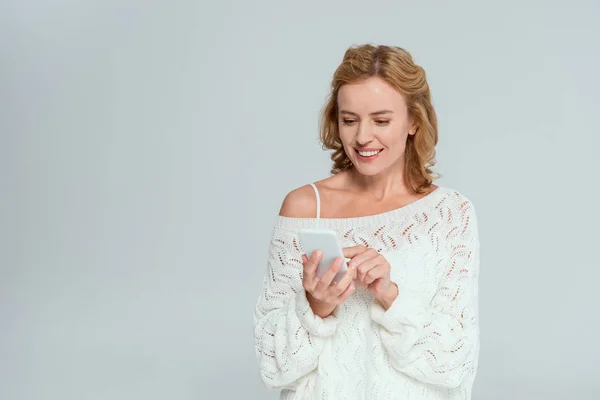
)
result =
(413, 126)
(413, 129)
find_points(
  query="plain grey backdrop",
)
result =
(146, 147)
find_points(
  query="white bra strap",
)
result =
(318, 202)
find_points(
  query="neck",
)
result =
(384, 185)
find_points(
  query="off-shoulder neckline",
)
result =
(382, 217)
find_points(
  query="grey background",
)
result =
(146, 148)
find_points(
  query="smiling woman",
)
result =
(387, 76)
(403, 320)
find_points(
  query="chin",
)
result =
(368, 170)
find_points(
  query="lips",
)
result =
(368, 155)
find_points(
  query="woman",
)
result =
(402, 323)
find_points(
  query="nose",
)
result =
(363, 134)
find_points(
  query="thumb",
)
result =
(353, 251)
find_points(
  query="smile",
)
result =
(368, 154)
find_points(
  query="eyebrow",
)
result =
(381, 112)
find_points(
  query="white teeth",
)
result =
(368, 153)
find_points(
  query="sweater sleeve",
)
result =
(288, 336)
(438, 343)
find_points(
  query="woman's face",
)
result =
(374, 124)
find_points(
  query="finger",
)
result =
(310, 271)
(349, 271)
(328, 276)
(308, 281)
(353, 251)
(357, 260)
(312, 263)
(304, 259)
(316, 256)
(345, 294)
(365, 267)
(347, 279)
(374, 274)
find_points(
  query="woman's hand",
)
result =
(373, 273)
(322, 296)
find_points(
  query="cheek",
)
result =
(346, 135)
(391, 137)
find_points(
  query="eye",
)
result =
(382, 122)
(348, 121)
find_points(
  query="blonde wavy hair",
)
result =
(396, 67)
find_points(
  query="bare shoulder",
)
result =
(299, 203)
(302, 202)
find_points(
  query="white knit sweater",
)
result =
(425, 346)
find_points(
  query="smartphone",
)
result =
(329, 244)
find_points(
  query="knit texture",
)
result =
(425, 346)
